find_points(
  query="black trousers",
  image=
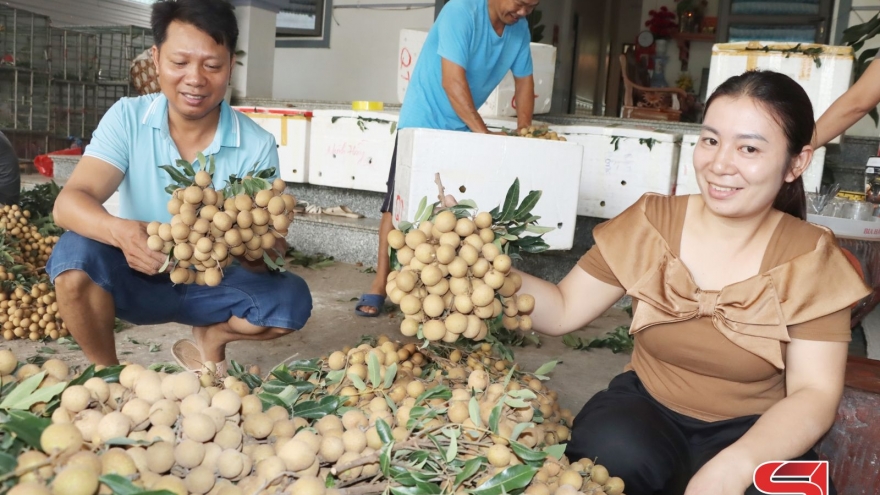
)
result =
(654, 449)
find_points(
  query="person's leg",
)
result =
(245, 306)
(94, 284)
(88, 312)
(625, 431)
(383, 265)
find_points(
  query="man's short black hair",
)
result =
(214, 17)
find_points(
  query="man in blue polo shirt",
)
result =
(102, 266)
(470, 48)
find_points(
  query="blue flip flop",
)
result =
(371, 300)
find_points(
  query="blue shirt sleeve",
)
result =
(269, 157)
(455, 28)
(111, 141)
(522, 65)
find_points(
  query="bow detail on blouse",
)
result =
(748, 313)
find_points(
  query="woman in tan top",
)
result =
(741, 308)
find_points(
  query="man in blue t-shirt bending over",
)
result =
(102, 266)
(470, 48)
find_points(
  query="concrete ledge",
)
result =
(346, 239)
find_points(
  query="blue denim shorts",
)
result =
(273, 299)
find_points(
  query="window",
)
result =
(304, 24)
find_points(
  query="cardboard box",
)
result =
(291, 130)
(351, 150)
(847, 228)
(482, 168)
(686, 182)
(620, 164)
(823, 84)
(501, 102)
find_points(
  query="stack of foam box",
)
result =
(351, 150)
(482, 167)
(686, 182)
(621, 163)
(291, 129)
(501, 102)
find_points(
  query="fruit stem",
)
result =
(20, 471)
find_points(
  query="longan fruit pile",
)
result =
(207, 436)
(454, 278)
(207, 230)
(540, 132)
(33, 247)
(31, 314)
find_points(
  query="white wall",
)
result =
(87, 12)
(361, 63)
(256, 37)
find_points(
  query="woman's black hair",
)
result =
(214, 17)
(789, 104)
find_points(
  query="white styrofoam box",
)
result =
(621, 163)
(291, 130)
(509, 123)
(686, 183)
(351, 150)
(501, 101)
(482, 168)
(411, 41)
(848, 228)
(823, 84)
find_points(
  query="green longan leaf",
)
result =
(526, 454)
(474, 412)
(508, 210)
(393, 127)
(525, 208)
(515, 403)
(546, 368)
(18, 398)
(121, 485)
(512, 478)
(452, 451)
(518, 429)
(404, 226)
(556, 451)
(212, 167)
(270, 400)
(384, 431)
(357, 382)
(390, 374)
(374, 370)
(469, 469)
(439, 392)
(334, 377)
(7, 463)
(176, 175)
(203, 160)
(421, 209)
(536, 229)
(523, 393)
(187, 167)
(26, 426)
(318, 409)
(385, 457)
(495, 416)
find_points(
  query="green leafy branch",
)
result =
(815, 53)
(618, 340)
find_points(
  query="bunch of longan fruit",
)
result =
(453, 278)
(539, 132)
(34, 247)
(195, 437)
(208, 230)
(30, 314)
